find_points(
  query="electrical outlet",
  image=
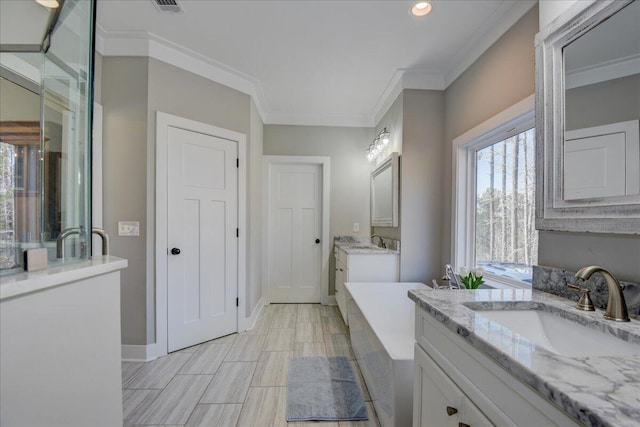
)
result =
(128, 228)
(356, 227)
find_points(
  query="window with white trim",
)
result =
(494, 198)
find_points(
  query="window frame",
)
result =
(512, 121)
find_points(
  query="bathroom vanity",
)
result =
(521, 358)
(60, 345)
(362, 262)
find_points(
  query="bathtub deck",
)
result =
(382, 323)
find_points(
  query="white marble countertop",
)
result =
(596, 391)
(364, 248)
(19, 284)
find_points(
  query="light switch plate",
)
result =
(356, 227)
(128, 228)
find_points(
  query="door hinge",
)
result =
(237, 232)
(237, 302)
(237, 162)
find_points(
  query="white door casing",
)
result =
(203, 218)
(296, 202)
(158, 224)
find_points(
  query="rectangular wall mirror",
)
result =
(587, 119)
(384, 193)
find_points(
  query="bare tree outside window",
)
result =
(506, 241)
(7, 206)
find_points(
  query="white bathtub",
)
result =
(381, 322)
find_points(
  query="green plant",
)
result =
(471, 278)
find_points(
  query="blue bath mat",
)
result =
(323, 389)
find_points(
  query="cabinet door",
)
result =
(437, 400)
(341, 273)
(471, 415)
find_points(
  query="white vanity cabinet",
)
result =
(362, 267)
(457, 385)
(441, 402)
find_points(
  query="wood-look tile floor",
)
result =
(239, 380)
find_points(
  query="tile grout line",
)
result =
(278, 310)
(252, 375)
(212, 376)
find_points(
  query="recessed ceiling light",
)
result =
(51, 4)
(421, 8)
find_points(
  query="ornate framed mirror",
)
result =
(384, 193)
(587, 119)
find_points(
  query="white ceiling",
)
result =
(309, 62)
(23, 23)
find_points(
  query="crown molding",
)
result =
(502, 20)
(138, 43)
(389, 94)
(309, 119)
(135, 43)
(597, 73)
(406, 79)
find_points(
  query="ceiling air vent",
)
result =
(167, 5)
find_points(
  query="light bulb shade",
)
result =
(51, 4)
(378, 145)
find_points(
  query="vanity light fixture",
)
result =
(50, 4)
(421, 8)
(378, 145)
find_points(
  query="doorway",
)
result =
(200, 232)
(296, 201)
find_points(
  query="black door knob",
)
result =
(317, 240)
(175, 251)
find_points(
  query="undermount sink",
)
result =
(559, 335)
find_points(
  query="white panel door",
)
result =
(295, 229)
(203, 249)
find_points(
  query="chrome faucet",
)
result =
(381, 244)
(71, 231)
(451, 276)
(616, 306)
(105, 239)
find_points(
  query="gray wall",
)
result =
(551, 9)
(421, 185)
(97, 78)
(416, 122)
(18, 103)
(501, 77)
(619, 253)
(133, 89)
(392, 120)
(181, 93)
(254, 208)
(349, 170)
(124, 100)
(613, 101)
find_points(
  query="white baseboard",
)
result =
(330, 300)
(250, 322)
(139, 353)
